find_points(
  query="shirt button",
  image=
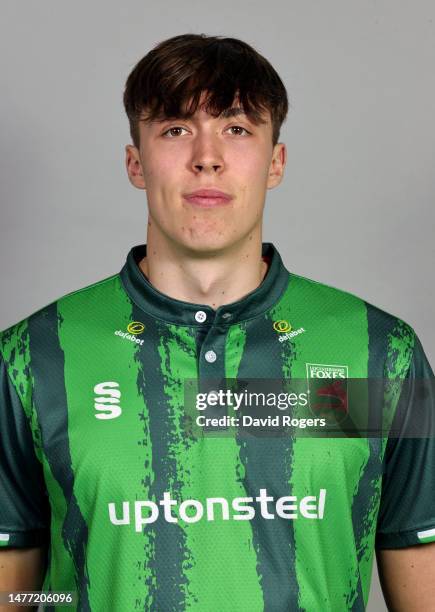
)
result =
(210, 356)
(200, 316)
(226, 315)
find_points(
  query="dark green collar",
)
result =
(162, 306)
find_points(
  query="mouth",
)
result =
(207, 202)
(208, 198)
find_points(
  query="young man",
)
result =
(97, 465)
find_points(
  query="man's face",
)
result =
(229, 154)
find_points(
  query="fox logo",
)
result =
(107, 400)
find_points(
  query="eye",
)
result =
(174, 131)
(170, 131)
(238, 127)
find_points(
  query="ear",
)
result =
(134, 167)
(277, 165)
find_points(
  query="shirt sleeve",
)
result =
(24, 506)
(407, 507)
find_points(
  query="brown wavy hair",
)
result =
(180, 68)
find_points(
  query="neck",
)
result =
(214, 278)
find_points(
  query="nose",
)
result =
(206, 154)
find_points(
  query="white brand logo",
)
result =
(192, 510)
(108, 400)
(321, 370)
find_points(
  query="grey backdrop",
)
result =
(356, 207)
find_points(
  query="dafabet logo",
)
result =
(134, 328)
(283, 328)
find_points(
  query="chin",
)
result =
(206, 244)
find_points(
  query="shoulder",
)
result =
(342, 309)
(332, 296)
(81, 303)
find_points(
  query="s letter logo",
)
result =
(107, 400)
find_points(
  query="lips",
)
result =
(208, 197)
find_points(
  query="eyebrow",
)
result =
(232, 112)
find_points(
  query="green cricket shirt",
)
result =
(95, 461)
